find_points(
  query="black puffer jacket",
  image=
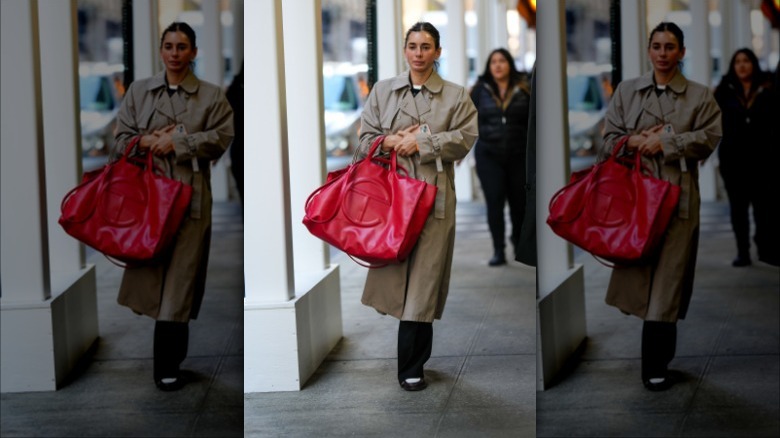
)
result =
(503, 129)
(747, 128)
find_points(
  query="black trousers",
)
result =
(659, 342)
(415, 341)
(740, 193)
(170, 347)
(503, 181)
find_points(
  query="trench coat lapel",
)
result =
(653, 106)
(407, 105)
(432, 86)
(646, 85)
(176, 105)
(667, 100)
(187, 87)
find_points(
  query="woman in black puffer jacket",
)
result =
(748, 155)
(501, 96)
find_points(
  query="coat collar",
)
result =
(190, 83)
(678, 84)
(434, 84)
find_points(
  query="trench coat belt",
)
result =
(441, 190)
(197, 186)
(441, 194)
(683, 209)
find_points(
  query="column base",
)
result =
(560, 327)
(41, 342)
(284, 343)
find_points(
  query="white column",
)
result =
(560, 285)
(291, 322)
(267, 233)
(210, 44)
(633, 32)
(146, 42)
(237, 6)
(210, 54)
(306, 128)
(485, 31)
(555, 256)
(390, 39)
(727, 47)
(24, 258)
(457, 72)
(499, 36)
(743, 34)
(455, 45)
(698, 44)
(698, 56)
(62, 132)
(48, 312)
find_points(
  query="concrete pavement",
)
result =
(114, 394)
(482, 373)
(727, 350)
(481, 376)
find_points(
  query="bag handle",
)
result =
(365, 264)
(101, 177)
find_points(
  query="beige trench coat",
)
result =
(661, 289)
(416, 290)
(172, 290)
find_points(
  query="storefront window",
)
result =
(101, 77)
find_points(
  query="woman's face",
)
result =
(743, 67)
(177, 52)
(499, 67)
(665, 52)
(421, 52)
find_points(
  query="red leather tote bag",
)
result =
(125, 210)
(369, 211)
(614, 210)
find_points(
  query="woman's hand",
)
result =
(647, 142)
(651, 145)
(159, 141)
(400, 141)
(163, 143)
(407, 146)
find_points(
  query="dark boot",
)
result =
(498, 258)
(743, 259)
(659, 342)
(170, 348)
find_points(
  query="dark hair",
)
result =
(514, 76)
(180, 26)
(424, 26)
(668, 26)
(755, 78)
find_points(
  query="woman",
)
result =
(673, 123)
(186, 123)
(746, 155)
(501, 96)
(430, 123)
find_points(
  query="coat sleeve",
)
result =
(703, 137)
(370, 125)
(455, 143)
(126, 123)
(614, 123)
(214, 139)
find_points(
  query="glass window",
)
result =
(101, 77)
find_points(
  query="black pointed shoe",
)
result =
(417, 385)
(173, 383)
